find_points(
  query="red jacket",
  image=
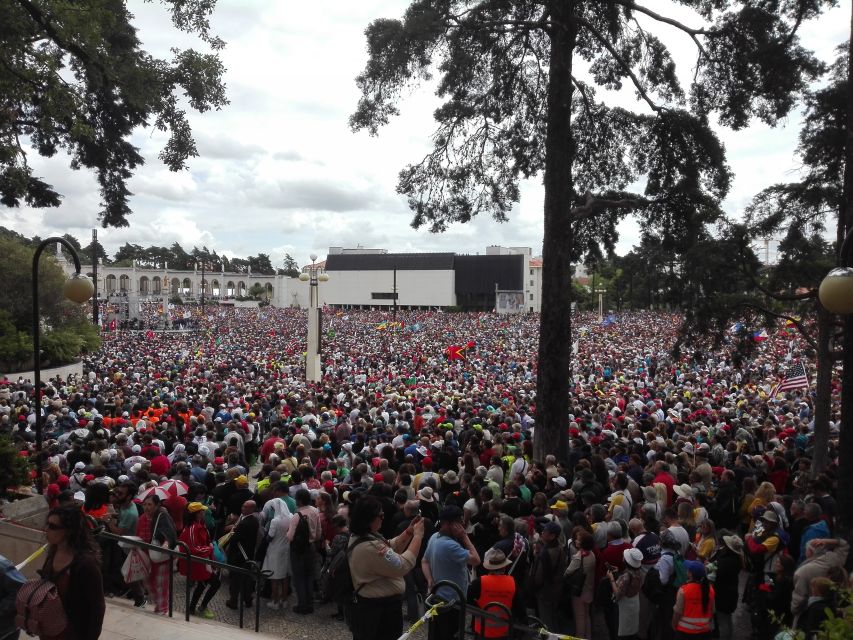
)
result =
(197, 539)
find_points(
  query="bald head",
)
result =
(411, 508)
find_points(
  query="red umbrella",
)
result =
(175, 487)
(160, 492)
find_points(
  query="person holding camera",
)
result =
(378, 567)
(448, 555)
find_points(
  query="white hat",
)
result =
(425, 494)
(79, 466)
(633, 557)
(560, 481)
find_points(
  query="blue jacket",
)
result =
(813, 532)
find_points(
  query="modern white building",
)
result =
(358, 278)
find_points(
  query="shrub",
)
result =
(14, 468)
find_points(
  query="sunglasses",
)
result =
(52, 526)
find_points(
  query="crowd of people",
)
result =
(405, 478)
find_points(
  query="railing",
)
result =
(495, 612)
(182, 551)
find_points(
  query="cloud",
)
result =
(224, 148)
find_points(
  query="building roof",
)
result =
(535, 262)
(390, 261)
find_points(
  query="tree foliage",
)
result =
(515, 104)
(14, 469)
(66, 330)
(74, 77)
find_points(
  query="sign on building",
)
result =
(509, 301)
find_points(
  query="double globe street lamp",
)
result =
(313, 366)
(78, 288)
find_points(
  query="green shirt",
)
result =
(127, 519)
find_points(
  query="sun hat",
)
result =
(633, 557)
(770, 516)
(649, 494)
(684, 490)
(241, 481)
(425, 494)
(495, 559)
(734, 543)
(450, 477)
(195, 507)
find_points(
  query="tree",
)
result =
(291, 269)
(14, 469)
(261, 264)
(127, 253)
(66, 329)
(75, 77)
(257, 291)
(92, 250)
(515, 106)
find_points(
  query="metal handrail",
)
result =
(521, 630)
(182, 552)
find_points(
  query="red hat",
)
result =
(516, 436)
(378, 477)
(426, 463)
(62, 481)
(219, 461)
(88, 477)
(329, 486)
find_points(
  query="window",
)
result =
(531, 272)
(531, 283)
(531, 296)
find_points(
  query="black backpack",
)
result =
(653, 588)
(340, 587)
(302, 536)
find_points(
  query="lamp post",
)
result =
(313, 367)
(78, 288)
(601, 293)
(836, 296)
(95, 310)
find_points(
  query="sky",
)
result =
(280, 171)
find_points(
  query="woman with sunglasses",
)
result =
(73, 564)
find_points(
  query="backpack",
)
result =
(302, 536)
(39, 610)
(679, 571)
(653, 588)
(339, 586)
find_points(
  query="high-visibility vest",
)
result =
(494, 588)
(694, 619)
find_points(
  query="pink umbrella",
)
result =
(160, 492)
(174, 487)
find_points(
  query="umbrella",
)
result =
(160, 492)
(175, 487)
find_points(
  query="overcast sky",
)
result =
(280, 171)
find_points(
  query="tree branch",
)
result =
(622, 63)
(47, 24)
(782, 316)
(594, 204)
(693, 33)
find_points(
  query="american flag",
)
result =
(795, 378)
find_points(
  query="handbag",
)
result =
(574, 582)
(158, 556)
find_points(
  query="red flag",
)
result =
(455, 352)
(149, 334)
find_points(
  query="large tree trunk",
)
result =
(823, 389)
(555, 329)
(845, 455)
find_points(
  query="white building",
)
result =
(358, 278)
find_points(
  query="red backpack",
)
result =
(39, 610)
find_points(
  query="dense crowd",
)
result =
(687, 492)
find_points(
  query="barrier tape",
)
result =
(35, 554)
(431, 613)
(555, 636)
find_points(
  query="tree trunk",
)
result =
(555, 328)
(823, 390)
(845, 454)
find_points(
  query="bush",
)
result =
(14, 468)
(176, 299)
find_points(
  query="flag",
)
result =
(760, 336)
(382, 326)
(791, 325)
(795, 378)
(575, 348)
(149, 334)
(456, 352)
(736, 327)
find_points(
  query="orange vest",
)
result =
(694, 619)
(494, 588)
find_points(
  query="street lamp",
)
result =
(78, 288)
(601, 293)
(313, 368)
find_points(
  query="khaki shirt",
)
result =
(380, 569)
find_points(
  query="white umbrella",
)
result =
(160, 492)
(175, 487)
